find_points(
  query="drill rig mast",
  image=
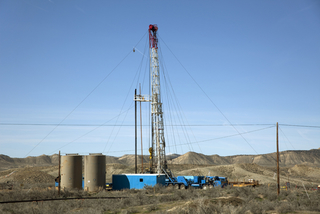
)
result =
(157, 151)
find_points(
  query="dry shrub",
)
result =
(35, 207)
(181, 194)
(207, 205)
(215, 192)
(267, 205)
(140, 198)
(233, 201)
(253, 207)
(232, 210)
(270, 194)
(157, 189)
(200, 206)
(31, 194)
(216, 200)
(311, 203)
(152, 207)
(75, 193)
(129, 211)
(284, 207)
(292, 196)
(129, 191)
(284, 193)
(102, 193)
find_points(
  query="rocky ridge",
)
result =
(287, 159)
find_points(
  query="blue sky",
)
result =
(71, 63)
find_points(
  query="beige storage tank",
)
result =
(71, 171)
(94, 172)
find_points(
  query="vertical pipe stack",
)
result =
(71, 171)
(94, 172)
(135, 133)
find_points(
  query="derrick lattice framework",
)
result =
(158, 141)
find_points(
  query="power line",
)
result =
(227, 136)
(213, 139)
(78, 104)
(210, 99)
(84, 98)
(286, 138)
(91, 130)
(137, 76)
(302, 126)
(183, 117)
(204, 125)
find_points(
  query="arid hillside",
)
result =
(296, 166)
(287, 159)
(7, 162)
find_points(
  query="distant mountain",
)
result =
(130, 159)
(7, 162)
(197, 158)
(287, 158)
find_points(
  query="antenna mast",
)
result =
(158, 142)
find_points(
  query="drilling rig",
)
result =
(158, 163)
(157, 151)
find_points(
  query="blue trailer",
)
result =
(136, 181)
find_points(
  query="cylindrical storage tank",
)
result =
(94, 172)
(71, 171)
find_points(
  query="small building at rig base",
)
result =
(136, 181)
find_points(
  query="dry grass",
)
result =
(261, 199)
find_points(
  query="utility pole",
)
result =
(135, 129)
(141, 133)
(139, 98)
(59, 184)
(278, 170)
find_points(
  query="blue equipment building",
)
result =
(136, 181)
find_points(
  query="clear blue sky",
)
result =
(257, 61)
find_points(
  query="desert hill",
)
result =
(7, 162)
(287, 159)
(199, 159)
